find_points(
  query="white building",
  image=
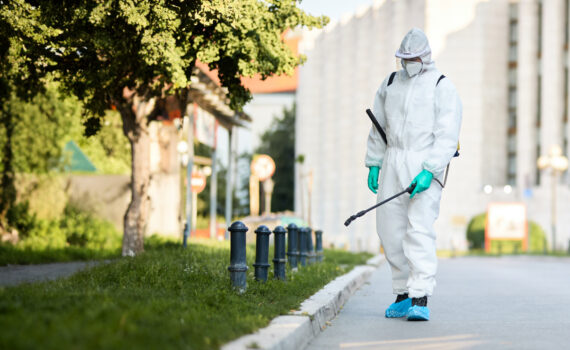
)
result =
(509, 61)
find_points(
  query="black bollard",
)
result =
(238, 264)
(292, 245)
(319, 245)
(261, 253)
(303, 246)
(311, 256)
(279, 253)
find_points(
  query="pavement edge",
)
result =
(296, 330)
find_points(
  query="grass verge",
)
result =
(166, 298)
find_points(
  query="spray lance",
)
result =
(361, 213)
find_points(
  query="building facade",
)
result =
(508, 60)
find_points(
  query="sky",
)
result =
(332, 8)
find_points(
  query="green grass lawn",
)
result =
(167, 298)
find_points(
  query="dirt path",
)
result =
(12, 275)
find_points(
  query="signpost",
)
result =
(197, 185)
(262, 168)
(197, 182)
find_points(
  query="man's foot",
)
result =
(419, 310)
(400, 307)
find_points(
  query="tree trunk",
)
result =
(135, 126)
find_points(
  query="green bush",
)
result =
(476, 231)
(46, 234)
(476, 237)
(75, 228)
(82, 229)
(19, 217)
(537, 237)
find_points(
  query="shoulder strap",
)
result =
(391, 79)
(438, 80)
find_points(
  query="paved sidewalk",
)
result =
(479, 303)
(16, 274)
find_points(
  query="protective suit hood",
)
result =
(415, 44)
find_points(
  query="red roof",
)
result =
(282, 83)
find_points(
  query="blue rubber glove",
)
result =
(422, 182)
(373, 178)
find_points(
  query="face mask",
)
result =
(412, 67)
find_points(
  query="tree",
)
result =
(279, 143)
(132, 54)
(20, 34)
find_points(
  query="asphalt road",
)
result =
(479, 303)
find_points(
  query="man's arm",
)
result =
(446, 128)
(376, 146)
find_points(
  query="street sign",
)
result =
(198, 182)
(262, 166)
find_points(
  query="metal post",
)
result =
(189, 167)
(553, 215)
(213, 196)
(238, 264)
(292, 245)
(319, 245)
(261, 253)
(303, 246)
(229, 186)
(312, 257)
(279, 253)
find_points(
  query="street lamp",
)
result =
(557, 164)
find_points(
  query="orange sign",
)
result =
(262, 166)
(506, 221)
(198, 182)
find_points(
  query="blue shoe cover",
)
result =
(399, 309)
(418, 313)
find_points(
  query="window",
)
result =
(512, 96)
(512, 77)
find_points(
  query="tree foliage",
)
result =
(101, 47)
(279, 143)
(42, 126)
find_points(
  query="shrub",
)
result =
(82, 229)
(75, 228)
(536, 236)
(476, 231)
(46, 234)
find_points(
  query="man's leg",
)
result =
(419, 242)
(391, 225)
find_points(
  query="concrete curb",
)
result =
(295, 331)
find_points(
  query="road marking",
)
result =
(407, 341)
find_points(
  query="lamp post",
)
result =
(557, 163)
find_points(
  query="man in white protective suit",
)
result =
(420, 111)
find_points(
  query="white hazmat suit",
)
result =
(421, 118)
